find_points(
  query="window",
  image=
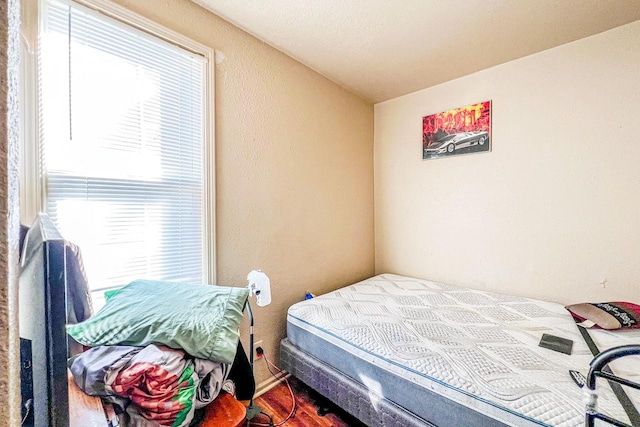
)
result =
(123, 145)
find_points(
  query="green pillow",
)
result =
(202, 320)
(109, 294)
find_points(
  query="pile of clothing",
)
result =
(160, 351)
(152, 385)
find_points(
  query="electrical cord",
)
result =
(28, 406)
(268, 416)
(294, 406)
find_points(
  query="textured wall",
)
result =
(294, 168)
(554, 210)
(9, 132)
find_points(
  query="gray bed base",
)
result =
(344, 391)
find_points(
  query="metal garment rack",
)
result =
(598, 370)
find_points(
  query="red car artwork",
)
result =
(458, 131)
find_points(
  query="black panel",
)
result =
(56, 310)
(26, 382)
(43, 318)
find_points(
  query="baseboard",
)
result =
(270, 383)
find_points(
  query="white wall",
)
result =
(554, 210)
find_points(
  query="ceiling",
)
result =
(381, 49)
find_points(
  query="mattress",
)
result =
(456, 356)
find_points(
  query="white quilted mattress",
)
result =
(479, 349)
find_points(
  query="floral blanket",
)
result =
(155, 385)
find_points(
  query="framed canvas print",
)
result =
(458, 131)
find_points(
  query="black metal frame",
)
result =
(598, 368)
(252, 409)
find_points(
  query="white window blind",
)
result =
(122, 147)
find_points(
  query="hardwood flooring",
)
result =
(84, 410)
(277, 403)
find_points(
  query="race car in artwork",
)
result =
(455, 141)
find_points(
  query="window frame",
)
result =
(32, 195)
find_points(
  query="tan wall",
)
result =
(9, 215)
(554, 210)
(294, 168)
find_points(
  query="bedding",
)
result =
(156, 385)
(203, 320)
(426, 346)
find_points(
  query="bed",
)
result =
(398, 351)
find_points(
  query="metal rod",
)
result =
(250, 335)
(599, 368)
(591, 418)
(606, 357)
(617, 379)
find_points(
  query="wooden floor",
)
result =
(277, 403)
(84, 410)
